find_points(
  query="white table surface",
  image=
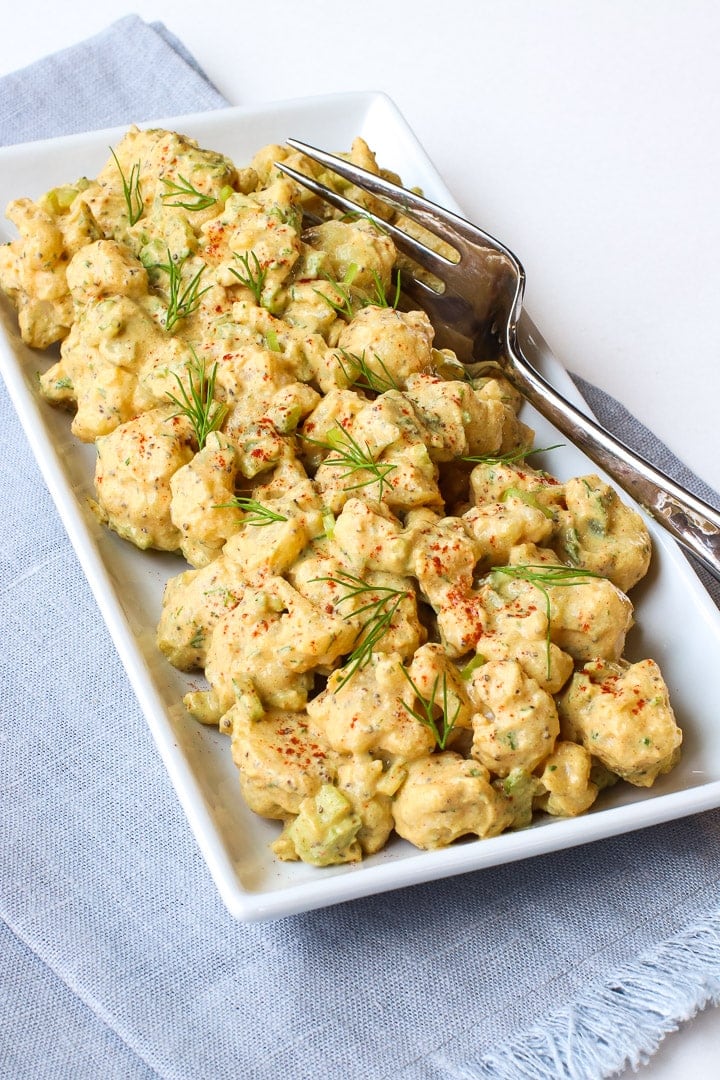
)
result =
(583, 133)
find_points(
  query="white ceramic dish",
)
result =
(677, 623)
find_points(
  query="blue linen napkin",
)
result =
(130, 72)
(117, 958)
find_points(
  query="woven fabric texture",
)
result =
(117, 958)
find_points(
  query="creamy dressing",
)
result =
(404, 627)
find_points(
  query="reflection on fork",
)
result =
(471, 287)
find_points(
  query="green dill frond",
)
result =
(255, 512)
(350, 456)
(379, 297)
(380, 608)
(185, 195)
(198, 404)
(359, 373)
(254, 276)
(518, 454)
(442, 724)
(182, 302)
(131, 190)
(344, 306)
(542, 576)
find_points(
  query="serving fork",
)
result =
(471, 286)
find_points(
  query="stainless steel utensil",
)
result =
(474, 299)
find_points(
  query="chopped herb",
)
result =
(185, 195)
(344, 306)
(359, 373)
(351, 456)
(204, 413)
(379, 297)
(254, 276)
(181, 302)
(380, 611)
(519, 454)
(542, 574)
(442, 724)
(256, 513)
(131, 190)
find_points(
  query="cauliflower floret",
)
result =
(439, 682)
(249, 376)
(499, 527)
(282, 759)
(277, 636)
(375, 601)
(356, 253)
(164, 159)
(459, 420)
(308, 308)
(520, 632)
(622, 715)
(496, 482)
(33, 272)
(443, 560)
(565, 786)
(201, 507)
(600, 533)
(108, 365)
(135, 465)
(373, 537)
(369, 787)
(260, 550)
(105, 268)
(290, 405)
(193, 602)
(254, 243)
(515, 724)
(588, 615)
(445, 797)
(381, 457)
(335, 412)
(367, 714)
(394, 344)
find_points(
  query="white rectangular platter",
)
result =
(676, 622)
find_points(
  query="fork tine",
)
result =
(430, 259)
(451, 227)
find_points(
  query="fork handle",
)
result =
(693, 523)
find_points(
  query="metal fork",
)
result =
(475, 303)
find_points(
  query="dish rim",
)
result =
(363, 879)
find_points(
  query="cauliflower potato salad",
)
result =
(405, 627)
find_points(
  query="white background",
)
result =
(582, 133)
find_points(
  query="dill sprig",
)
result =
(185, 195)
(256, 513)
(351, 456)
(426, 714)
(131, 190)
(379, 297)
(182, 302)
(254, 277)
(381, 609)
(542, 576)
(344, 306)
(199, 405)
(359, 373)
(519, 454)
(364, 215)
